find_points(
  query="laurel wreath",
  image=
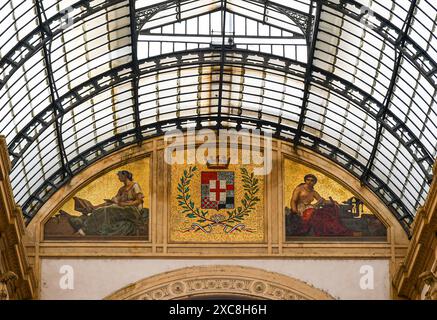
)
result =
(234, 218)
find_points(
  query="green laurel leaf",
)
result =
(250, 186)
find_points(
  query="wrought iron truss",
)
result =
(308, 72)
(42, 35)
(301, 19)
(135, 68)
(398, 37)
(124, 74)
(382, 113)
(289, 109)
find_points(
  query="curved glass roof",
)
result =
(352, 80)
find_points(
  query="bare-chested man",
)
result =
(304, 194)
(315, 219)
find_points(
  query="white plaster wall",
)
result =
(97, 278)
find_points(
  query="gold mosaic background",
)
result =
(294, 173)
(179, 221)
(106, 186)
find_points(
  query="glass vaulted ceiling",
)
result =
(353, 80)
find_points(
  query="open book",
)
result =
(82, 205)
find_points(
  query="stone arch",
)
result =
(218, 280)
(285, 151)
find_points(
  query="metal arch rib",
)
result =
(399, 128)
(41, 122)
(35, 201)
(222, 63)
(119, 75)
(143, 15)
(388, 98)
(299, 18)
(135, 68)
(29, 47)
(53, 91)
(420, 58)
(309, 70)
(146, 31)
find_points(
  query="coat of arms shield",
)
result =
(217, 190)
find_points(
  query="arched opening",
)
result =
(219, 282)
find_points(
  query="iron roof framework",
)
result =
(352, 80)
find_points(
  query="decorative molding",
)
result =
(55, 248)
(301, 20)
(138, 249)
(159, 246)
(430, 279)
(5, 279)
(19, 280)
(413, 273)
(219, 281)
(4, 159)
(142, 16)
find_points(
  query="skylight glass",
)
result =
(354, 80)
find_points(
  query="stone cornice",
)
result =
(219, 280)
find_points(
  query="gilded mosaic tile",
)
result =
(216, 205)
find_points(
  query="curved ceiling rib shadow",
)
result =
(366, 99)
